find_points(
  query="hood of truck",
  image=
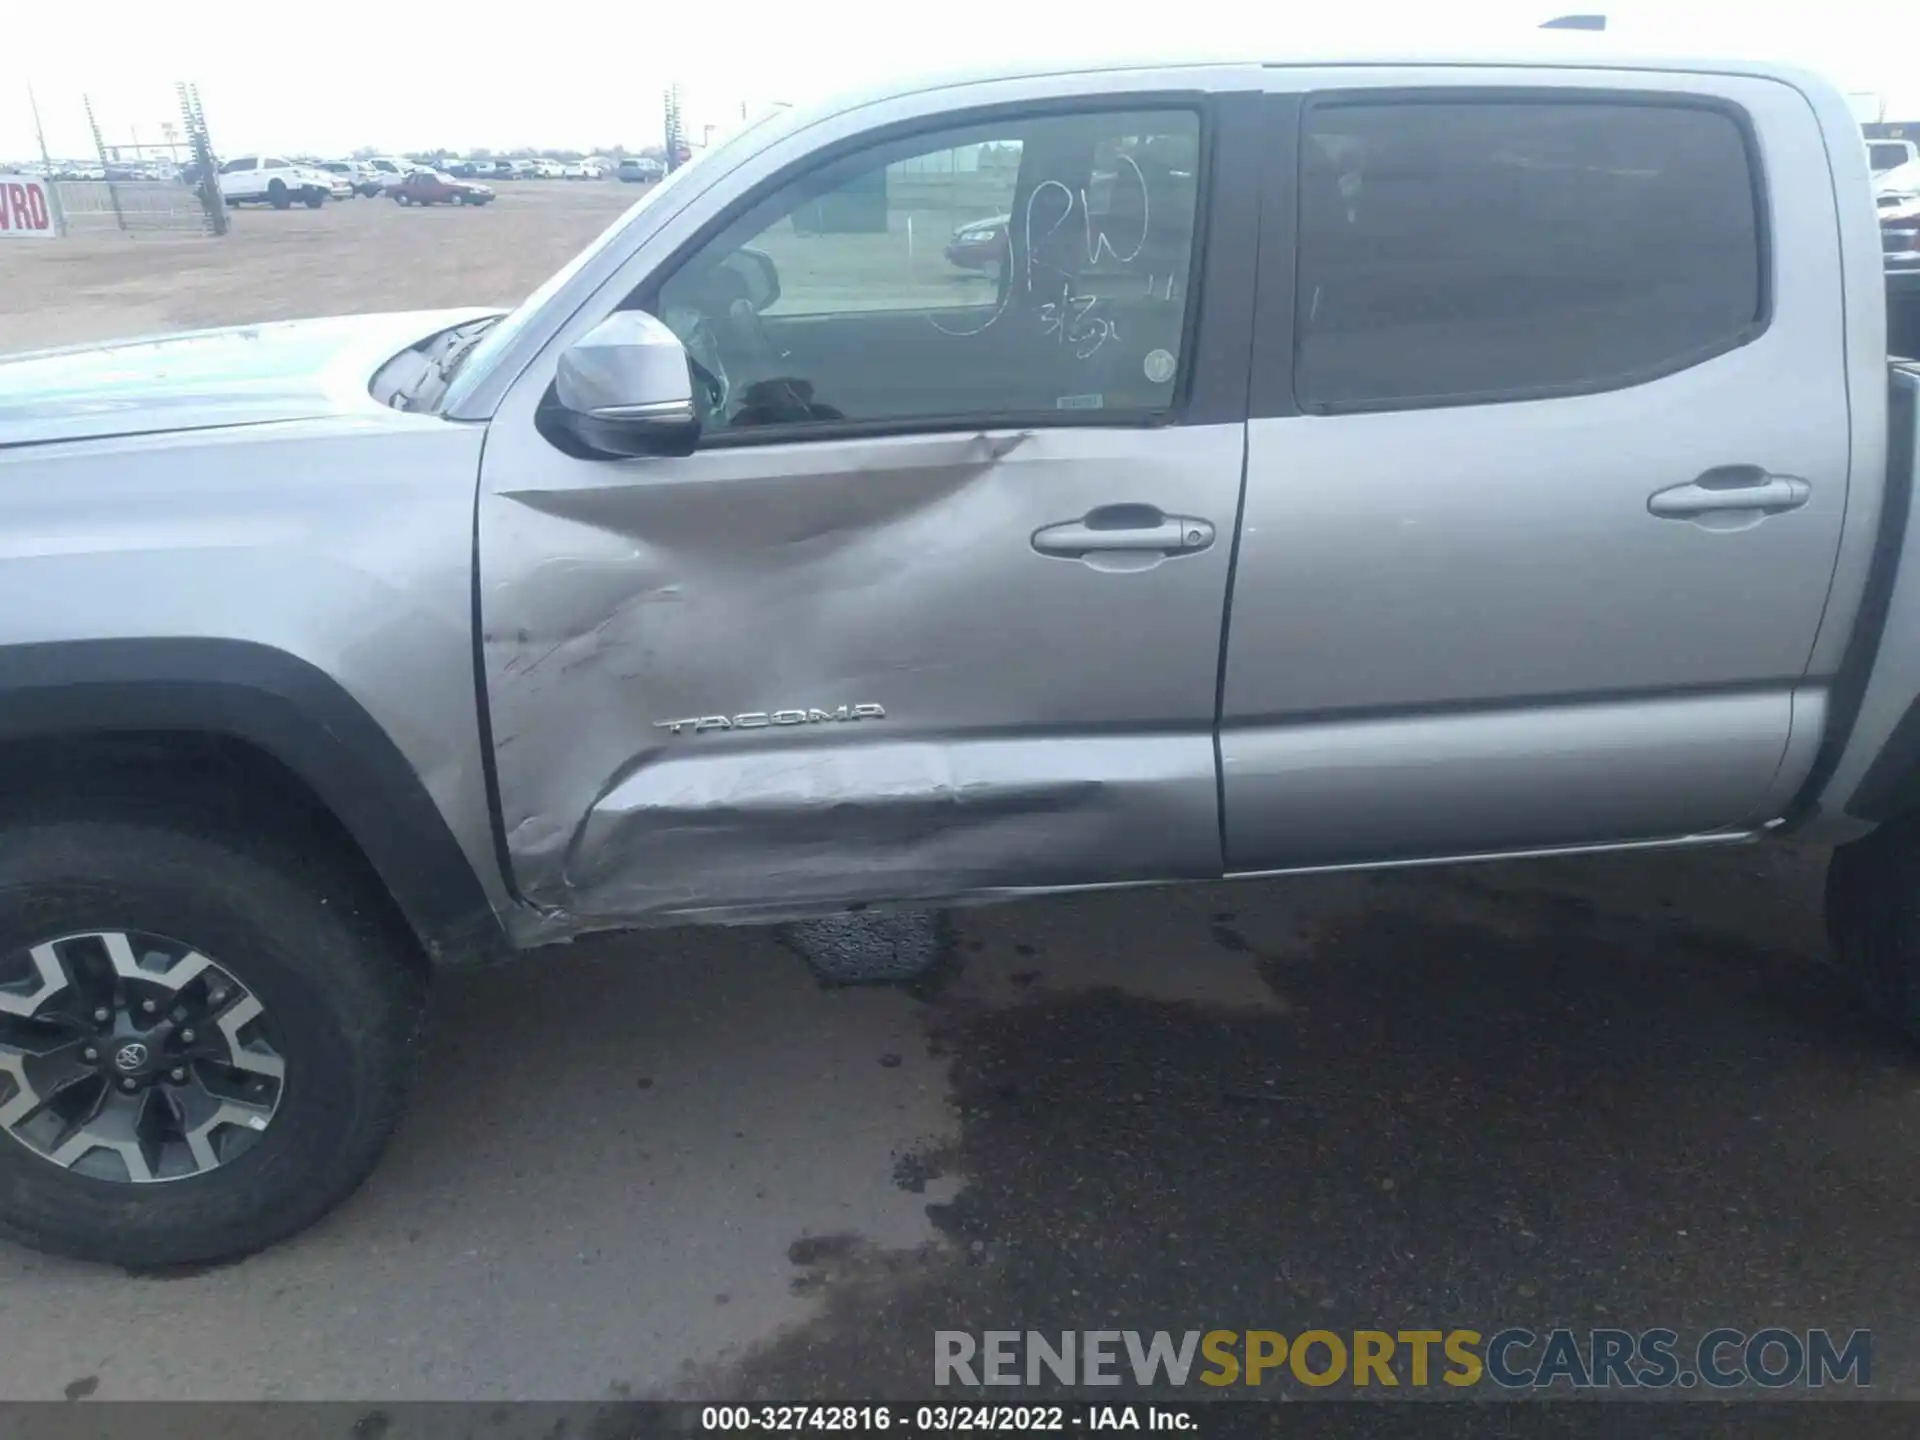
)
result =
(207, 379)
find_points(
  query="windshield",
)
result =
(480, 359)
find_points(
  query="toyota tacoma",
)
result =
(1398, 463)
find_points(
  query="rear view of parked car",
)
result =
(358, 180)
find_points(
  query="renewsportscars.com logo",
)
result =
(1512, 1359)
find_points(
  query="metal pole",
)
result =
(100, 145)
(46, 166)
(195, 119)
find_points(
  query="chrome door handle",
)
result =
(1138, 529)
(1730, 487)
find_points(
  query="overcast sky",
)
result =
(367, 72)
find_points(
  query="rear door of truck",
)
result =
(1547, 464)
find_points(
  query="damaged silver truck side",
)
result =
(1028, 482)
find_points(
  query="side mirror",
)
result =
(625, 389)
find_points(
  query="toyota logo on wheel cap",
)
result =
(130, 1056)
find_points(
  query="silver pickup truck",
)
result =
(1028, 482)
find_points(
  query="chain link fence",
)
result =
(92, 207)
(136, 185)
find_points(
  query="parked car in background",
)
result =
(581, 170)
(1885, 155)
(343, 187)
(361, 181)
(981, 244)
(543, 169)
(436, 187)
(386, 170)
(1899, 182)
(640, 169)
(273, 180)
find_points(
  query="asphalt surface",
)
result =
(1618, 1092)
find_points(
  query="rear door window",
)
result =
(1455, 250)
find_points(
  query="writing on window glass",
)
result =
(1052, 279)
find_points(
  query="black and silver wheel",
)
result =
(133, 1057)
(204, 1040)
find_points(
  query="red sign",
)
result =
(26, 210)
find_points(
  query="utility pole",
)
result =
(675, 135)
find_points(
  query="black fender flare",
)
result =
(289, 710)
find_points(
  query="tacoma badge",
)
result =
(760, 719)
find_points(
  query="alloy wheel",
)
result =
(130, 1057)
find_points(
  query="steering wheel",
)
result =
(727, 347)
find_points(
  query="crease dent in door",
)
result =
(780, 832)
(641, 593)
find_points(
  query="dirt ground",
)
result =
(1610, 1092)
(347, 256)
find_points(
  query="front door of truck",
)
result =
(935, 608)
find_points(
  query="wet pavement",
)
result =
(1619, 1092)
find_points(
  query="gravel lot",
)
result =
(1610, 1092)
(347, 256)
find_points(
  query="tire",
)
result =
(341, 985)
(457, 198)
(314, 199)
(400, 199)
(277, 194)
(1873, 920)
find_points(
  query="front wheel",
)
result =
(278, 196)
(314, 199)
(400, 199)
(204, 1043)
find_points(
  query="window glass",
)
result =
(1887, 155)
(233, 167)
(1011, 268)
(1451, 251)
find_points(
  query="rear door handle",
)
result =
(1730, 487)
(1133, 529)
